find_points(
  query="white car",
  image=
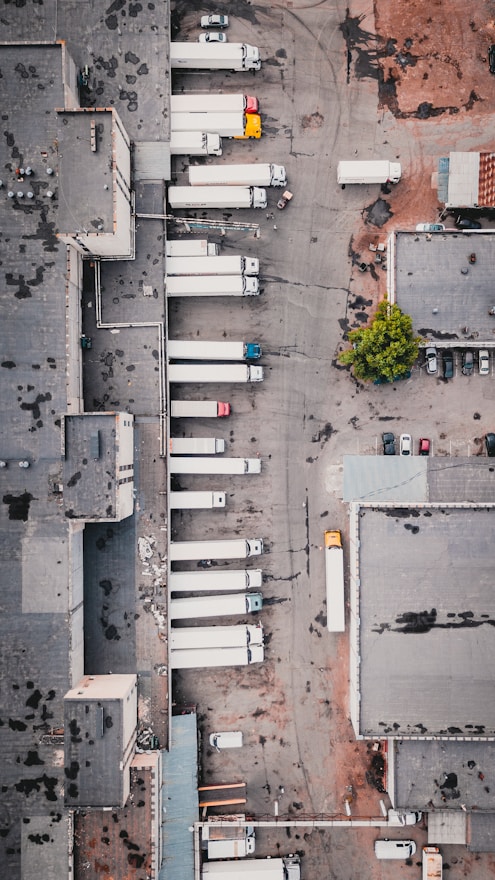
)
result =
(484, 362)
(430, 227)
(431, 360)
(405, 444)
(212, 37)
(213, 20)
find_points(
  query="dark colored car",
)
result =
(467, 363)
(490, 444)
(467, 223)
(448, 365)
(388, 440)
(424, 446)
(491, 58)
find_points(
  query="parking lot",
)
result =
(306, 415)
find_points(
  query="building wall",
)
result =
(125, 465)
(74, 327)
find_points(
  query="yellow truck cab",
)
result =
(252, 127)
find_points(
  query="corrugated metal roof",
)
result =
(180, 799)
(463, 180)
(152, 160)
(443, 179)
(486, 185)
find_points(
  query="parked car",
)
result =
(491, 58)
(214, 20)
(212, 37)
(424, 446)
(484, 362)
(431, 360)
(467, 363)
(226, 739)
(405, 444)
(467, 223)
(406, 818)
(388, 441)
(490, 444)
(448, 365)
(430, 227)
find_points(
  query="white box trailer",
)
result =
(195, 197)
(370, 171)
(206, 409)
(197, 445)
(229, 604)
(249, 174)
(229, 548)
(193, 637)
(228, 842)
(288, 868)
(212, 285)
(334, 576)
(198, 350)
(200, 373)
(202, 658)
(196, 500)
(214, 56)
(214, 580)
(195, 143)
(191, 247)
(196, 465)
(223, 124)
(210, 102)
(225, 265)
(432, 863)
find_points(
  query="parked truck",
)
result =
(229, 548)
(232, 125)
(371, 171)
(214, 373)
(334, 576)
(226, 265)
(252, 174)
(201, 658)
(214, 580)
(194, 637)
(212, 285)
(203, 409)
(197, 465)
(197, 445)
(432, 863)
(191, 247)
(228, 842)
(196, 500)
(194, 350)
(210, 102)
(195, 143)
(215, 606)
(214, 56)
(196, 197)
(288, 868)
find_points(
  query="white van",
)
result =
(394, 849)
(226, 739)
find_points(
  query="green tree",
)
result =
(384, 350)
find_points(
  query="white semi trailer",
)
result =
(196, 445)
(201, 658)
(196, 350)
(210, 102)
(196, 500)
(212, 285)
(203, 409)
(191, 247)
(195, 143)
(225, 265)
(214, 56)
(230, 604)
(196, 465)
(250, 174)
(195, 197)
(213, 580)
(369, 171)
(229, 548)
(193, 637)
(230, 125)
(288, 868)
(200, 373)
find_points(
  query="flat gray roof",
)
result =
(90, 470)
(427, 618)
(433, 272)
(85, 191)
(446, 479)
